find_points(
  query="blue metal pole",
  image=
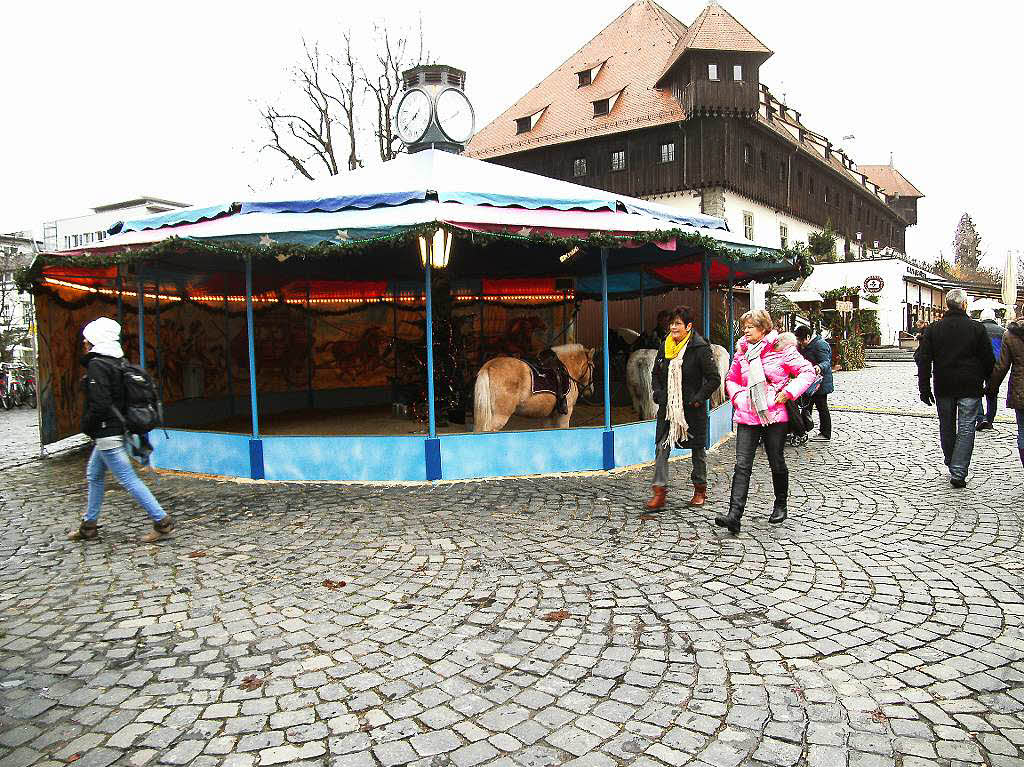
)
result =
(120, 299)
(253, 400)
(705, 287)
(604, 330)
(732, 319)
(431, 416)
(141, 295)
(642, 328)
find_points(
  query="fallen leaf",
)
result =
(557, 615)
(878, 716)
(334, 585)
(197, 554)
(647, 517)
(73, 758)
(253, 682)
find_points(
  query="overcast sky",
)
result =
(104, 102)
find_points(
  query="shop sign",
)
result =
(873, 284)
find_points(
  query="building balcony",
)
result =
(727, 97)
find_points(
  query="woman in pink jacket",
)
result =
(766, 371)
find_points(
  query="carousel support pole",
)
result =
(227, 355)
(394, 335)
(432, 446)
(141, 296)
(732, 331)
(159, 360)
(255, 443)
(309, 349)
(705, 289)
(641, 300)
(609, 435)
(120, 299)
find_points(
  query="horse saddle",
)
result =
(550, 377)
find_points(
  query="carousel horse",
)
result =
(638, 380)
(505, 386)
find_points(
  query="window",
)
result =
(523, 124)
(826, 195)
(668, 152)
(712, 71)
(601, 107)
(585, 77)
(747, 152)
(748, 225)
(784, 235)
(737, 72)
(619, 159)
(579, 167)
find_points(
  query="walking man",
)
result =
(995, 334)
(817, 351)
(1011, 360)
(957, 353)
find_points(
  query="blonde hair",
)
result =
(759, 318)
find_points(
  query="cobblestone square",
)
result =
(531, 622)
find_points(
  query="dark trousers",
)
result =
(820, 401)
(747, 440)
(991, 407)
(699, 475)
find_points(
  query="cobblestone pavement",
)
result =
(530, 622)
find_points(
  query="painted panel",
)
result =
(202, 452)
(380, 459)
(721, 423)
(634, 443)
(466, 456)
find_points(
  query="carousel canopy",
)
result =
(508, 223)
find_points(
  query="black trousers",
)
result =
(747, 440)
(820, 401)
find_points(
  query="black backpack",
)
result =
(142, 410)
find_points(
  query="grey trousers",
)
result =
(699, 475)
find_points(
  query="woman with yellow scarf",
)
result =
(683, 379)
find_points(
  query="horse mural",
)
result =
(638, 380)
(517, 338)
(504, 387)
(362, 356)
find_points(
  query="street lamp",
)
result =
(437, 249)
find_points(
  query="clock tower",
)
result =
(434, 112)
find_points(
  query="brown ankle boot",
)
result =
(657, 501)
(86, 532)
(160, 530)
(700, 495)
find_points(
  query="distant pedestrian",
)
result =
(1011, 360)
(817, 351)
(956, 351)
(103, 391)
(995, 334)
(766, 372)
(683, 379)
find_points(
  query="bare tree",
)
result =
(385, 83)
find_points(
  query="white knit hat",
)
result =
(105, 336)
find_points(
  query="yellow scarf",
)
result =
(672, 348)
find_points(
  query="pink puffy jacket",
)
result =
(784, 368)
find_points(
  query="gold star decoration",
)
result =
(266, 241)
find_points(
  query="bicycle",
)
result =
(16, 393)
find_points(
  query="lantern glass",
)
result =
(438, 249)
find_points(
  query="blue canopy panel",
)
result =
(313, 237)
(333, 204)
(186, 216)
(530, 203)
(621, 282)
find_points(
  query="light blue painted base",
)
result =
(398, 459)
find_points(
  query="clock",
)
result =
(455, 115)
(413, 116)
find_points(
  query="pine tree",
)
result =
(967, 246)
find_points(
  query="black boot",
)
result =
(737, 500)
(780, 482)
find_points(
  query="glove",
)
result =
(926, 397)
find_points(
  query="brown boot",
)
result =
(657, 501)
(161, 529)
(700, 495)
(86, 532)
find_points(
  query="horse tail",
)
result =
(645, 368)
(483, 408)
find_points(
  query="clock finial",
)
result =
(434, 111)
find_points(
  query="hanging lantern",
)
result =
(438, 248)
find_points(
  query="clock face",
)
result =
(413, 116)
(455, 115)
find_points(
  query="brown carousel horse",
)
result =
(504, 387)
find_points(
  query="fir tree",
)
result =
(967, 246)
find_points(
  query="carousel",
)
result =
(414, 321)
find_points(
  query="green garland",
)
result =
(27, 278)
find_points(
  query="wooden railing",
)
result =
(726, 96)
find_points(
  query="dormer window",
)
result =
(585, 78)
(587, 75)
(528, 123)
(712, 71)
(605, 104)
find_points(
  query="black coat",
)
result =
(958, 352)
(102, 388)
(700, 379)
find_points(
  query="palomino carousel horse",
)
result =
(505, 387)
(638, 379)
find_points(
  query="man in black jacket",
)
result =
(698, 378)
(956, 351)
(103, 389)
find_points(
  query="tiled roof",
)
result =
(715, 30)
(891, 180)
(636, 46)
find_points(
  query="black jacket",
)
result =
(102, 388)
(958, 352)
(700, 379)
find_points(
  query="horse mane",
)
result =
(568, 349)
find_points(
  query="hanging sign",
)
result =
(873, 284)
(844, 306)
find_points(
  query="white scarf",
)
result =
(756, 383)
(678, 429)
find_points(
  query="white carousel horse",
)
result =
(638, 379)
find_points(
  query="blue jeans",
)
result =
(958, 419)
(121, 467)
(1020, 429)
(991, 408)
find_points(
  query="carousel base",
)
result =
(415, 457)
